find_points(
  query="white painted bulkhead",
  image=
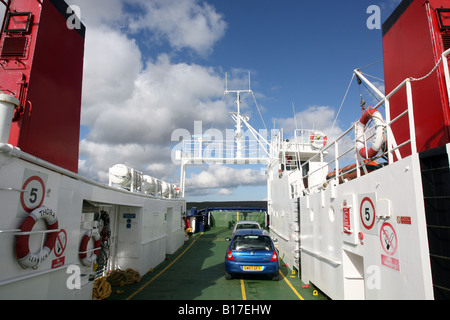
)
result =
(283, 222)
(363, 263)
(140, 227)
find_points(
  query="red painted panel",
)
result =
(51, 93)
(412, 45)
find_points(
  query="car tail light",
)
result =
(274, 256)
(230, 256)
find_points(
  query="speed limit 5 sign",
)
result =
(367, 212)
(33, 191)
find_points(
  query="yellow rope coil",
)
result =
(122, 277)
(132, 276)
(117, 278)
(102, 286)
(102, 289)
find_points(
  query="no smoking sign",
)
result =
(388, 239)
(60, 243)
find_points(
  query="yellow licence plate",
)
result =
(252, 268)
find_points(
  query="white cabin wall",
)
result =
(283, 217)
(140, 247)
(331, 259)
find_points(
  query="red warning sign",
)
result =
(60, 243)
(58, 262)
(390, 262)
(346, 220)
(404, 220)
(388, 238)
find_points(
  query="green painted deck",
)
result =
(197, 272)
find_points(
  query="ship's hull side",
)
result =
(143, 229)
(366, 238)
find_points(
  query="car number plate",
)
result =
(252, 268)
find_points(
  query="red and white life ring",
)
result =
(376, 116)
(85, 259)
(318, 139)
(25, 257)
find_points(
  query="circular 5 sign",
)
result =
(33, 193)
(367, 212)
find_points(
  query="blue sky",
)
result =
(154, 66)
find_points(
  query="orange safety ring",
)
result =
(25, 257)
(379, 130)
(318, 139)
(85, 259)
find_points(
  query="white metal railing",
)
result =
(392, 146)
(302, 137)
(19, 232)
(222, 149)
(126, 178)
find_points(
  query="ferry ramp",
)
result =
(197, 272)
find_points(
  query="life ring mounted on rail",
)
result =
(25, 257)
(318, 139)
(85, 259)
(360, 127)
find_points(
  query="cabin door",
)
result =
(353, 276)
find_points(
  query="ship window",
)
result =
(18, 22)
(444, 18)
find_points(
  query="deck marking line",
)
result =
(292, 287)
(151, 280)
(244, 296)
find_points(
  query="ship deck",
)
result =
(196, 272)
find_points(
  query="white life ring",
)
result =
(25, 257)
(85, 259)
(379, 133)
(318, 139)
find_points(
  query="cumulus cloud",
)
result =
(184, 23)
(319, 118)
(132, 102)
(225, 179)
(135, 120)
(163, 97)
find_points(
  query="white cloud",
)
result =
(184, 23)
(111, 65)
(225, 178)
(320, 118)
(225, 192)
(162, 97)
(131, 103)
(314, 117)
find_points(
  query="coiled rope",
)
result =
(103, 286)
(122, 277)
(102, 289)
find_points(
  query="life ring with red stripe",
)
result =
(85, 259)
(372, 151)
(318, 139)
(25, 257)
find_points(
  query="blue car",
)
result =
(251, 251)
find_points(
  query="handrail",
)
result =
(226, 149)
(392, 145)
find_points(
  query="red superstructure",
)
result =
(41, 55)
(414, 38)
